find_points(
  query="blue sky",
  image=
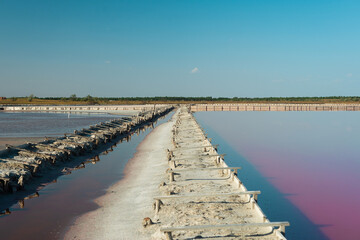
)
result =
(179, 48)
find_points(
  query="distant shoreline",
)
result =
(83, 101)
(134, 109)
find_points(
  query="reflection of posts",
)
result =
(21, 203)
(95, 159)
(6, 212)
(35, 195)
(82, 165)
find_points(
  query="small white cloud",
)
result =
(195, 70)
(107, 62)
(349, 75)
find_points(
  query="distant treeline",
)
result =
(73, 99)
(211, 99)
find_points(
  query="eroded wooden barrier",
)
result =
(169, 230)
(22, 162)
(158, 202)
(172, 171)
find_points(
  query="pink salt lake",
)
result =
(312, 158)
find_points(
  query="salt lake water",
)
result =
(37, 124)
(306, 165)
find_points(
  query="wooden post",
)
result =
(157, 205)
(171, 175)
(282, 229)
(255, 197)
(243, 225)
(168, 236)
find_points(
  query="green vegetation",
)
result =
(74, 100)
(31, 97)
(73, 97)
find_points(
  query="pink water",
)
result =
(312, 157)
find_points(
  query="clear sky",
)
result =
(225, 48)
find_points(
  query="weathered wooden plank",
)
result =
(202, 169)
(189, 159)
(168, 230)
(214, 146)
(208, 195)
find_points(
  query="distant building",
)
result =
(2, 98)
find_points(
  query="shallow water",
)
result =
(305, 163)
(37, 124)
(49, 215)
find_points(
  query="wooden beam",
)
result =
(189, 129)
(208, 195)
(169, 230)
(172, 171)
(214, 146)
(203, 169)
(193, 128)
(212, 155)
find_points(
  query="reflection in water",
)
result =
(35, 195)
(81, 165)
(95, 159)
(22, 201)
(6, 212)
